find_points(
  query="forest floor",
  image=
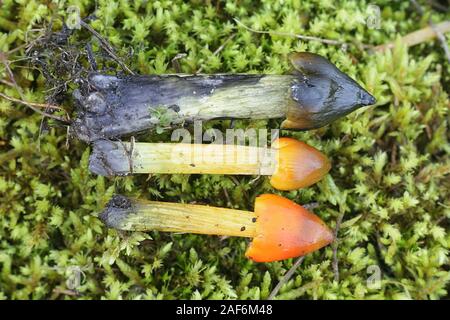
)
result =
(387, 195)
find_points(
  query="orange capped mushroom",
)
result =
(292, 164)
(285, 230)
(298, 165)
(280, 228)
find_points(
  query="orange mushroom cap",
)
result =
(299, 165)
(285, 230)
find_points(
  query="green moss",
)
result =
(389, 181)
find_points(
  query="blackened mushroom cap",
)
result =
(321, 93)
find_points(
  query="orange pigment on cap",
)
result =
(298, 165)
(285, 230)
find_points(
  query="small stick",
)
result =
(8, 83)
(286, 278)
(438, 6)
(335, 263)
(105, 45)
(34, 104)
(217, 51)
(176, 64)
(419, 36)
(4, 60)
(68, 292)
(439, 34)
(287, 34)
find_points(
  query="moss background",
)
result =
(389, 182)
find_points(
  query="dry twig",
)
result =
(438, 33)
(176, 64)
(32, 106)
(105, 45)
(286, 278)
(420, 36)
(299, 36)
(335, 247)
(217, 51)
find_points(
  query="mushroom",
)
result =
(280, 228)
(314, 94)
(292, 164)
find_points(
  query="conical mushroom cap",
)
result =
(285, 230)
(322, 93)
(298, 165)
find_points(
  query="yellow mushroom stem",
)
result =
(280, 228)
(142, 215)
(122, 158)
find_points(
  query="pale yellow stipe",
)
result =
(188, 218)
(201, 158)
